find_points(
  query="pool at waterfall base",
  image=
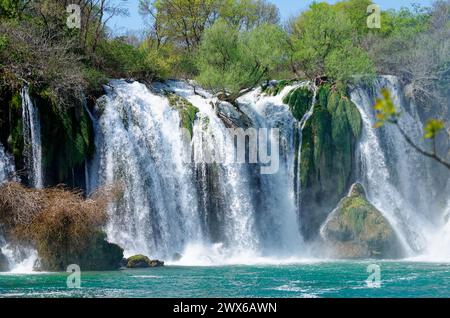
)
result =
(333, 279)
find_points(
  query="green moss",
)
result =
(16, 140)
(354, 118)
(299, 101)
(333, 101)
(327, 149)
(138, 261)
(187, 111)
(67, 139)
(322, 94)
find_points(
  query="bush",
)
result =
(119, 59)
(62, 225)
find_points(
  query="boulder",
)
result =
(356, 230)
(4, 265)
(99, 255)
(142, 261)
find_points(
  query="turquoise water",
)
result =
(333, 279)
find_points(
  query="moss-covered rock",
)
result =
(142, 261)
(67, 141)
(188, 112)
(4, 265)
(327, 151)
(356, 229)
(100, 255)
(299, 101)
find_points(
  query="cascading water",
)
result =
(300, 126)
(396, 177)
(6, 165)
(224, 212)
(142, 150)
(209, 212)
(20, 260)
(32, 140)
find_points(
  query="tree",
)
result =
(325, 43)
(232, 62)
(249, 14)
(176, 27)
(413, 45)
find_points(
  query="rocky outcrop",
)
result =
(142, 261)
(328, 146)
(100, 255)
(4, 265)
(356, 230)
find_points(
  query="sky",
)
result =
(288, 8)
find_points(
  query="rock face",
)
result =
(4, 266)
(356, 229)
(142, 261)
(328, 144)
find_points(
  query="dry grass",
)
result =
(60, 223)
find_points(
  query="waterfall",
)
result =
(6, 165)
(396, 177)
(209, 212)
(142, 151)
(32, 139)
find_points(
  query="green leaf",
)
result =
(432, 128)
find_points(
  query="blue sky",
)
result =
(288, 8)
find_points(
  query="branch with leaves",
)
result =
(387, 113)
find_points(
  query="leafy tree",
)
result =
(176, 27)
(325, 43)
(232, 62)
(413, 45)
(248, 14)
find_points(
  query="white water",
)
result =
(397, 178)
(6, 165)
(32, 139)
(21, 260)
(207, 212)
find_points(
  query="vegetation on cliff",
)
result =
(187, 111)
(327, 148)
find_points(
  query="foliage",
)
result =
(59, 223)
(387, 113)
(386, 110)
(299, 101)
(120, 59)
(187, 111)
(325, 42)
(413, 45)
(231, 61)
(176, 27)
(432, 128)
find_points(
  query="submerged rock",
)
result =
(4, 265)
(176, 257)
(356, 229)
(142, 261)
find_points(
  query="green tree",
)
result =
(325, 43)
(232, 62)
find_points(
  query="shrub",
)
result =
(62, 225)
